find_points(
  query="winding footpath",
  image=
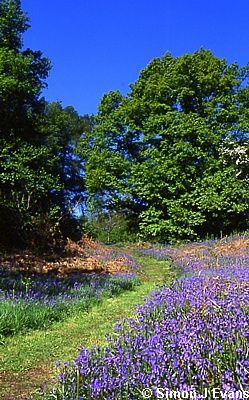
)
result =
(27, 361)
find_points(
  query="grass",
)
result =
(27, 360)
(52, 300)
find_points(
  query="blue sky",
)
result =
(98, 46)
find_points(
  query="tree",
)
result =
(26, 179)
(158, 148)
(13, 23)
(22, 76)
(63, 129)
(25, 162)
(21, 82)
(30, 182)
(41, 170)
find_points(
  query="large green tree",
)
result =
(26, 165)
(157, 151)
(40, 171)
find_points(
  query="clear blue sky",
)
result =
(100, 45)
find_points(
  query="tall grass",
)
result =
(37, 305)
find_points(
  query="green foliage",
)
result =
(13, 23)
(110, 227)
(22, 78)
(63, 128)
(169, 160)
(40, 171)
(156, 153)
(26, 180)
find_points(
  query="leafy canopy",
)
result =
(40, 172)
(155, 153)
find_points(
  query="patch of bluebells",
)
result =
(53, 289)
(194, 334)
(22, 296)
(160, 253)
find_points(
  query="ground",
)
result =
(27, 361)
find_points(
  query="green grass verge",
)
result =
(29, 314)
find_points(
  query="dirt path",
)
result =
(19, 386)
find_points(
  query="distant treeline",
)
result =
(168, 161)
